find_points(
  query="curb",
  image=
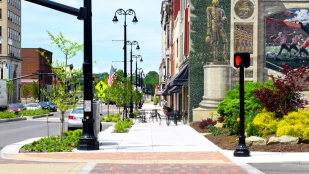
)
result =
(37, 116)
(23, 118)
(12, 119)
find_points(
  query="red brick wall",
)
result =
(33, 61)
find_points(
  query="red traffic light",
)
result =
(241, 60)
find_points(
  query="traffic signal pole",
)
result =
(241, 61)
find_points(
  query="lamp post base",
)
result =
(88, 143)
(241, 151)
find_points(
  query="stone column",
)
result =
(217, 80)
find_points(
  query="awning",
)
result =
(175, 89)
(177, 81)
(180, 78)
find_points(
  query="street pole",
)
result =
(87, 141)
(241, 149)
(131, 115)
(115, 20)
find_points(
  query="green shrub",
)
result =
(53, 143)
(33, 112)
(136, 112)
(294, 124)
(8, 114)
(229, 107)
(214, 130)
(121, 126)
(265, 123)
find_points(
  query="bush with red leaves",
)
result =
(283, 95)
(206, 122)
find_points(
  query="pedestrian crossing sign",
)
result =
(101, 86)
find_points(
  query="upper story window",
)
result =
(15, 3)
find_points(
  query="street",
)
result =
(16, 131)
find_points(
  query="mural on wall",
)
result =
(287, 39)
(243, 41)
(209, 34)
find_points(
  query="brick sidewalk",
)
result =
(123, 162)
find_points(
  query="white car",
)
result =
(33, 106)
(75, 119)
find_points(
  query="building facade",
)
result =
(10, 43)
(34, 62)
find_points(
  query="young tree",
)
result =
(59, 94)
(26, 91)
(10, 90)
(34, 90)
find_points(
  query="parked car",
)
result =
(16, 107)
(75, 118)
(33, 106)
(52, 106)
(44, 105)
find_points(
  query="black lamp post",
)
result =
(137, 48)
(2, 62)
(141, 60)
(115, 20)
(141, 80)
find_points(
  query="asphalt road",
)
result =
(16, 131)
(282, 168)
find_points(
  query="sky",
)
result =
(37, 20)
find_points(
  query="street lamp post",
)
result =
(2, 62)
(137, 48)
(115, 20)
(141, 60)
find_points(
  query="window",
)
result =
(0, 31)
(0, 13)
(0, 48)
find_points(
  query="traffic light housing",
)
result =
(241, 60)
(93, 79)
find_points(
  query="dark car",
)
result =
(44, 105)
(16, 107)
(52, 106)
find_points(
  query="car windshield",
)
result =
(43, 103)
(32, 105)
(15, 106)
(78, 111)
(50, 103)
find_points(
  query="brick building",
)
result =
(34, 62)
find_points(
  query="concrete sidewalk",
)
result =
(153, 143)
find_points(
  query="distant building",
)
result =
(10, 43)
(34, 62)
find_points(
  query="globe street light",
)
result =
(115, 20)
(141, 60)
(137, 48)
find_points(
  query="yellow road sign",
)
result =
(101, 95)
(101, 86)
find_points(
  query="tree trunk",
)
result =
(61, 124)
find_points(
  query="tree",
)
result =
(35, 90)
(59, 94)
(10, 90)
(26, 91)
(151, 80)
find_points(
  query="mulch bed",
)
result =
(228, 142)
